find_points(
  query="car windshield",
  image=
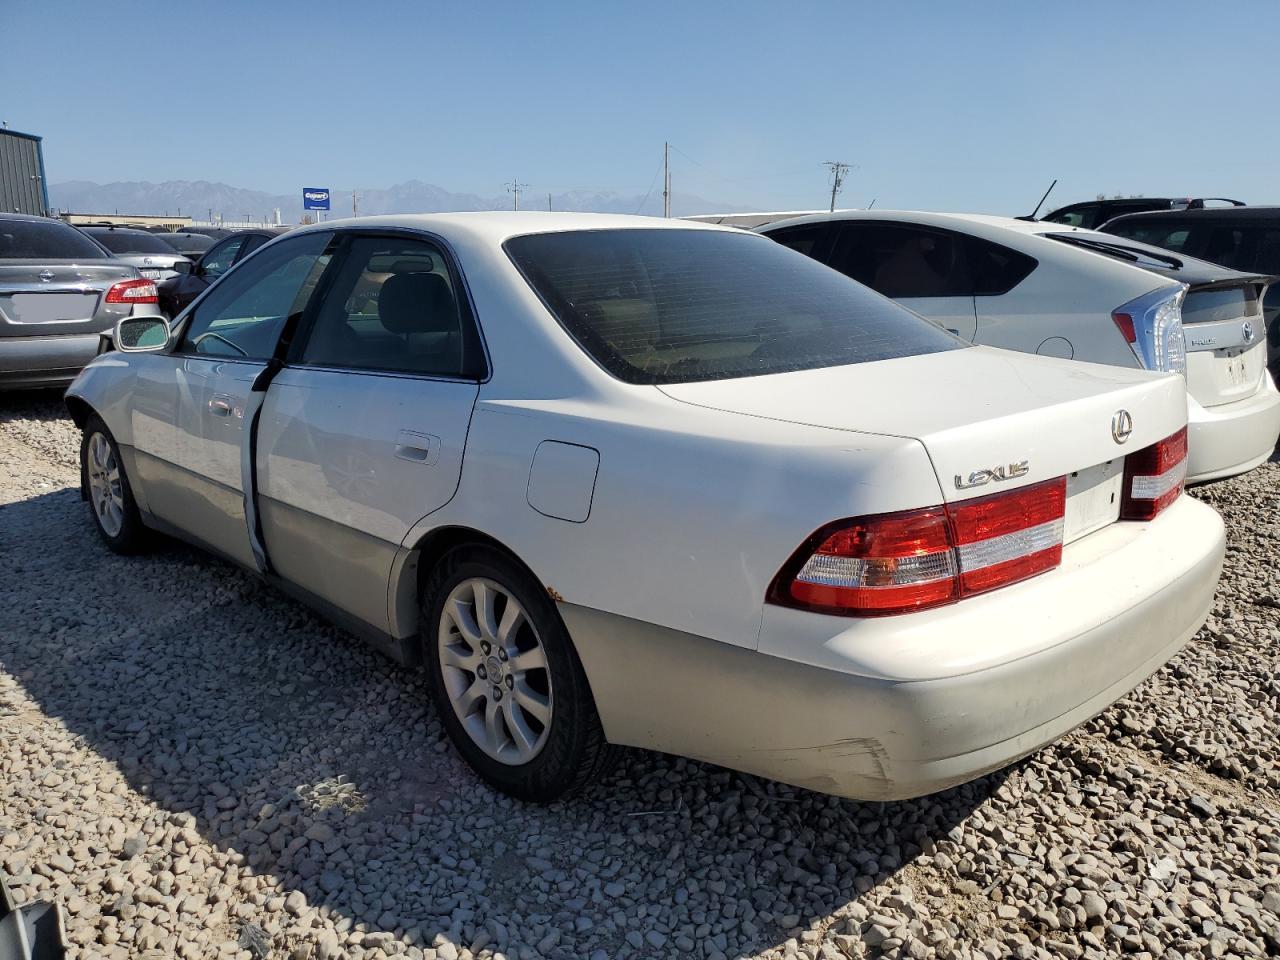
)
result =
(131, 241)
(45, 240)
(187, 242)
(673, 306)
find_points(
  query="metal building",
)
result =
(22, 183)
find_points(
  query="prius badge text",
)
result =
(980, 477)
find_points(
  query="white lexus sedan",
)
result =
(1065, 292)
(614, 480)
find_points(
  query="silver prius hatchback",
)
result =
(58, 291)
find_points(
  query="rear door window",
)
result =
(1171, 236)
(394, 305)
(903, 261)
(46, 240)
(674, 306)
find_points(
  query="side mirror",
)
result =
(182, 266)
(140, 334)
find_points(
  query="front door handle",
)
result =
(220, 407)
(417, 447)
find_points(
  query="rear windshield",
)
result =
(45, 240)
(187, 242)
(1220, 303)
(673, 306)
(118, 242)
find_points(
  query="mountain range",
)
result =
(199, 198)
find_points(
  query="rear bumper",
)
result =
(902, 706)
(1233, 438)
(44, 361)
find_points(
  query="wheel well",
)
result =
(79, 410)
(426, 554)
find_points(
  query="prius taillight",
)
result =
(916, 559)
(1154, 477)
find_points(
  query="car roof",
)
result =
(104, 228)
(1206, 213)
(498, 226)
(990, 228)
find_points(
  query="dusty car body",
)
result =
(615, 480)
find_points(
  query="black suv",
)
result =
(1093, 213)
(1243, 238)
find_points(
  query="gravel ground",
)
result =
(195, 766)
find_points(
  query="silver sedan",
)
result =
(58, 291)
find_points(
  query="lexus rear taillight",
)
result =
(1153, 477)
(916, 559)
(133, 291)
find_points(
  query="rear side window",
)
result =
(903, 261)
(673, 306)
(996, 269)
(46, 240)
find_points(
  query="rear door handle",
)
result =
(417, 447)
(220, 407)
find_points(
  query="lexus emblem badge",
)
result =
(1121, 426)
(1247, 332)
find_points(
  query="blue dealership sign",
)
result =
(315, 198)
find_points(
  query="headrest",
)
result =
(417, 303)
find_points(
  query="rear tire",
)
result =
(106, 486)
(506, 679)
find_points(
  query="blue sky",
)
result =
(959, 105)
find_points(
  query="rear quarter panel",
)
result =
(1070, 295)
(693, 511)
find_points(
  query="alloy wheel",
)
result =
(495, 671)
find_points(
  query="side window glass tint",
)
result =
(219, 259)
(1224, 246)
(801, 239)
(243, 315)
(393, 306)
(1266, 258)
(903, 262)
(996, 269)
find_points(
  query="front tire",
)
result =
(507, 682)
(106, 486)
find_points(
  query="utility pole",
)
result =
(548, 203)
(355, 204)
(666, 179)
(514, 188)
(838, 171)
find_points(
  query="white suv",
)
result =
(1060, 291)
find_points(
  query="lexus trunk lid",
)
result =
(1011, 418)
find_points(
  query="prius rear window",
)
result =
(673, 306)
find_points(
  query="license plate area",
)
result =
(48, 307)
(1093, 499)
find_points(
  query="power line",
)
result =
(838, 171)
(514, 187)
